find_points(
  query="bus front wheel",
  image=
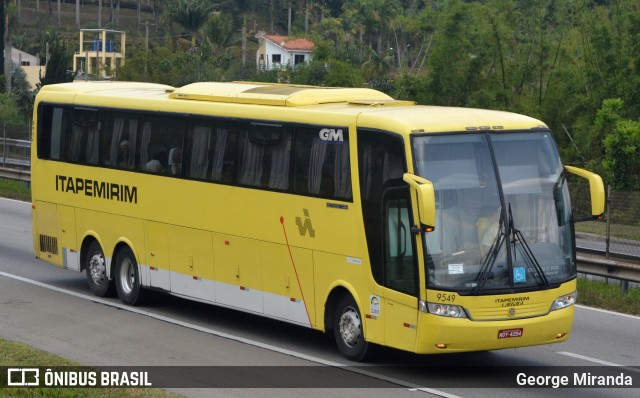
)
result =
(96, 270)
(127, 278)
(348, 330)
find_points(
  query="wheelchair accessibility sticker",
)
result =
(519, 275)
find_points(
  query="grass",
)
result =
(617, 230)
(594, 293)
(17, 354)
(15, 190)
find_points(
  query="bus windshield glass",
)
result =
(502, 212)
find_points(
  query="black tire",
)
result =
(96, 269)
(127, 278)
(348, 330)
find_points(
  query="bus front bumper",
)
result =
(440, 334)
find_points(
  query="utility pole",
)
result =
(146, 34)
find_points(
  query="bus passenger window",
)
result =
(322, 167)
(162, 137)
(119, 138)
(52, 131)
(212, 151)
(265, 151)
(82, 143)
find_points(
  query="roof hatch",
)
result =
(276, 94)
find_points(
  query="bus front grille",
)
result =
(49, 244)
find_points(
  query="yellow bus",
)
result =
(427, 229)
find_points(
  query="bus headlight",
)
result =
(452, 311)
(564, 301)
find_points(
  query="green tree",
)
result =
(58, 68)
(190, 14)
(621, 162)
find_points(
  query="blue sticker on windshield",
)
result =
(519, 275)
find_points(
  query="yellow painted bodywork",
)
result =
(249, 238)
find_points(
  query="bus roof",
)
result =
(372, 108)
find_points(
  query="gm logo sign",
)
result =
(331, 135)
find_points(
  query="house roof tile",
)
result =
(299, 44)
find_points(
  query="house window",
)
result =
(275, 58)
(298, 59)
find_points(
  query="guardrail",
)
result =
(624, 270)
(15, 174)
(15, 153)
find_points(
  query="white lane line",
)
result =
(295, 354)
(435, 392)
(16, 201)
(586, 358)
(608, 312)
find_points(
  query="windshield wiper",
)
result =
(490, 259)
(529, 258)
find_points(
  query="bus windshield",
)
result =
(503, 212)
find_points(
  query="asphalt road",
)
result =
(53, 310)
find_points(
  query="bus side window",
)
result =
(83, 140)
(322, 167)
(119, 140)
(161, 135)
(265, 153)
(211, 151)
(54, 123)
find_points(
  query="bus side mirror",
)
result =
(426, 200)
(596, 187)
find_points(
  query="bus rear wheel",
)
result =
(127, 277)
(348, 330)
(96, 270)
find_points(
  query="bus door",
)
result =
(400, 269)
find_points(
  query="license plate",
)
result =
(510, 333)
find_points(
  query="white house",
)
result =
(29, 63)
(275, 51)
(19, 57)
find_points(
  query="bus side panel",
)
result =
(68, 239)
(46, 236)
(330, 271)
(288, 283)
(238, 272)
(112, 229)
(191, 257)
(157, 252)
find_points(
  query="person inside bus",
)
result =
(153, 166)
(488, 228)
(123, 154)
(175, 161)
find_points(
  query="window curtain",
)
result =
(342, 173)
(133, 138)
(365, 171)
(316, 162)
(280, 158)
(218, 155)
(93, 139)
(251, 168)
(118, 125)
(73, 150)
(200, 152)
(146, 139)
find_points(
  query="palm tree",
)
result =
(190, 14)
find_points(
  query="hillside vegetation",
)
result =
(574, 64)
